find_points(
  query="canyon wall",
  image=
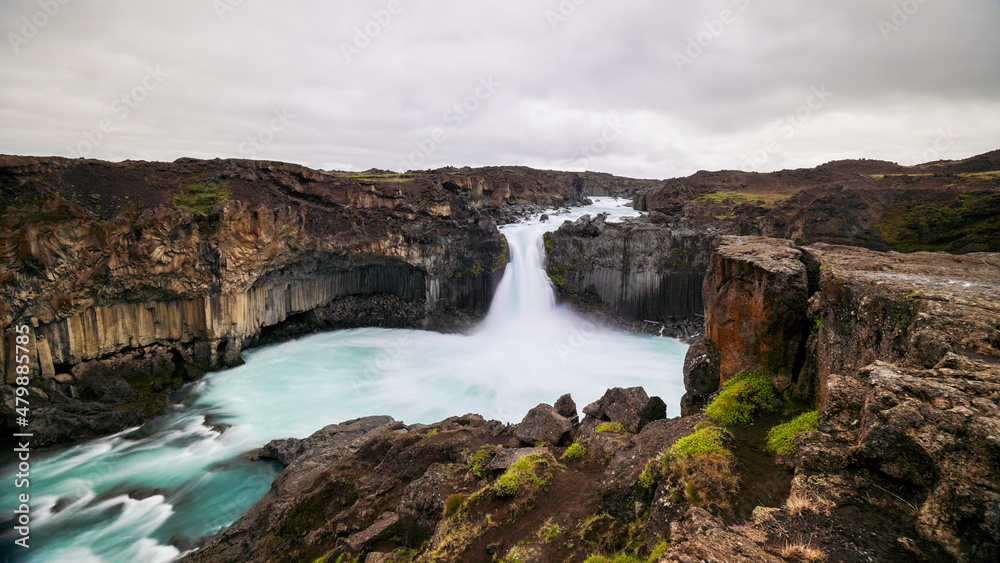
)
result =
(135, 277)
(633, 270)
(901, 352)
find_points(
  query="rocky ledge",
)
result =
(896, 358)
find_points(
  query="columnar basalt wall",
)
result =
(635, 270)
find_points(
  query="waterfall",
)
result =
(150, 493)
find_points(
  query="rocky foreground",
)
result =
(900, 354)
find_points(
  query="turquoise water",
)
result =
(149, 494)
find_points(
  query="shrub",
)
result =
(745, 395)
(781, 438)
(453, 504)
(575, 451)
(523, 473)
(615, 427)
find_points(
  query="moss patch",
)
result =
(526, 475)
(745, 395)
(781, 438)
(614, 427)
(953, 221)
(200, 199)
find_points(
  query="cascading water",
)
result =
(150, 494)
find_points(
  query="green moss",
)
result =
(781, 438)
(547, 237)
(956, 221)
(575, 451)
(614, 427)
(522, 475)
(745, 395)
(454, 504)
(708, 440)
(649, 476)
(481, 458)
(321, 558)
(200, 199)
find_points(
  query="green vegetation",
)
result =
(200, 199)
(575, 451)
(549, 531)
(702, 468)
(650, 475)
(956, 221)
(745, 395)
(481, 458)
(454, 504)
(523, 475)
(781, 438)
(708, 440)
(768, 200)
(547, 237)
(616, 558)
(614, 427)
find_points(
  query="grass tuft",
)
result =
(575, 451)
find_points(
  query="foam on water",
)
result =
(191, 479)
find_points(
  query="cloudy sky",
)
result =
(646, 88)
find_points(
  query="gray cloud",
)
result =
(559, 81)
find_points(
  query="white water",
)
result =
(191, 479)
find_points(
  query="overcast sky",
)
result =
(645, 88)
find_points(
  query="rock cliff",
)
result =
(902, 354)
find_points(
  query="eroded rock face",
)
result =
(757, 290)
(900, 354)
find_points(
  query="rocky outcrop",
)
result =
(758, 290)
(901, 353)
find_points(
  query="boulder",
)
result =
(701, 375)
(620, 405)
(566, 407)
(543, 424)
